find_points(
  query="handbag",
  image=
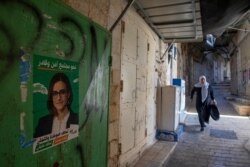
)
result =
(214, 112)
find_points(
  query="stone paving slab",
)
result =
(201, 149)
(197, 149)
(156, 155)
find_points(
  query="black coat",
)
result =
(199, 97)
(203, 107)
(45, 124)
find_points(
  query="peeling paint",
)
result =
(47, 16)
(22, 115)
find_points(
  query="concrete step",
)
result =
(222, 89)
(228, 87)
(242, 109)
(240, 100)
(221, 84)
(240, 104)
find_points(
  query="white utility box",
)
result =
(168, 113)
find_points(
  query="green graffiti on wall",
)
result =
(31, 31)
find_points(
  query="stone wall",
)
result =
(240, 63)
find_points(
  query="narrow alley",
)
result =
(224, 143)
(107, 83)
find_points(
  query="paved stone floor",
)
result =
(157, 155)
(223, 143)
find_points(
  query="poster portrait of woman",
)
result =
(60, 116)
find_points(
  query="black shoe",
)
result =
(202, 129)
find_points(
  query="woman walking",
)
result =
(204, 95)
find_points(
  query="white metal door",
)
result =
(133, 96)
(141, 87)
(127, 126)
(128, 77)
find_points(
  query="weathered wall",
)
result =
(196, 65)
(221, 69)
(187, 60)
(162, 64)
(181, 64)
(51, 29)
(234, 74)
(90, 148)
(169, 63)
(240, 63)
(137, 110)
(97, 11)
(190, 57)
(205, 67)
(115, 10)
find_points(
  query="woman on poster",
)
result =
(59, 101)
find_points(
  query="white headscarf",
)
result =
(204, 88)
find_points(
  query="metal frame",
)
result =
(167, 24)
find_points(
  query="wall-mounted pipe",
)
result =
(167, 49)
(121, 15)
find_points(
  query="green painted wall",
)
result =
(47, 28)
